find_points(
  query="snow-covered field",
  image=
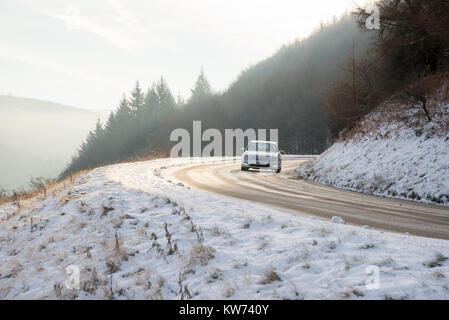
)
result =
(135, 233)
(393, 158)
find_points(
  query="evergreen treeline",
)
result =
(125, 134)
(282, 92)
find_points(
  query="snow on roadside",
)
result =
(392, 160)
(135, 233)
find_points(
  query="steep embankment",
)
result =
(393, 152)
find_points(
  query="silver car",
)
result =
(262, 155)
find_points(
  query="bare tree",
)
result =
(424, 89)
(413, 34)
(359, 89)
(39, 184)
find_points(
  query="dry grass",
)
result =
(357, 292)
(145, 157)
(50, 188)
(93, 282)
(270, 276)
(216, 275)
(200, 255)
(368, 246)
(438, 275)
(119, 249)
(228, 290)
(437, 261)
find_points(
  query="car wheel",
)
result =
(244, 169)
(279, 166)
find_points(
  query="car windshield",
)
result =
(262, 147)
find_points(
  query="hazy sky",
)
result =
(87, 53)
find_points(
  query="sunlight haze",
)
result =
(87, 53)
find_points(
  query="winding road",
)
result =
(300, 197)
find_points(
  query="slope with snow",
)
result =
(136, 233)
(403, 157)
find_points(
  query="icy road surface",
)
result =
(301, 197)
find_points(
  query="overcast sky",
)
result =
(87, 53)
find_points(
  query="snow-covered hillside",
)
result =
(393, 153)
(135, 233)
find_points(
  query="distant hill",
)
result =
(38, 138)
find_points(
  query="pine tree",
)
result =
(151, 99)
(123, 111)
(164, 95)
(136, 101)
(202, 86)
(109, 122)
(99, 131)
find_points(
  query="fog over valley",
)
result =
(38, 138)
